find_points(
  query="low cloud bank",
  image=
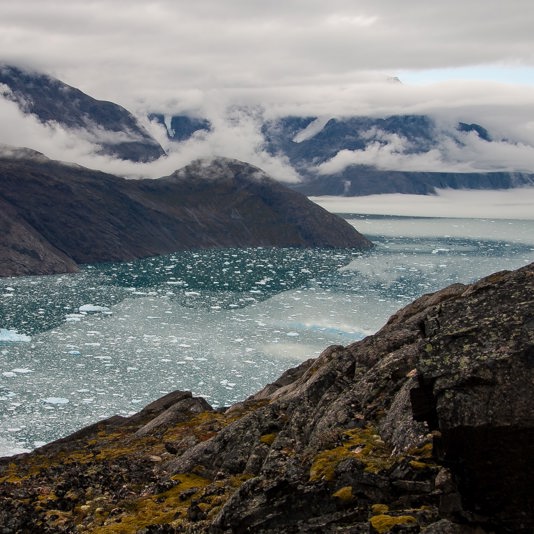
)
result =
(235, 134)
(502, 204)
(236, 118)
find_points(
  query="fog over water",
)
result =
(77, 348)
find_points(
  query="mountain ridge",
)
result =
(105, 123)
(347, 155)
(89, 216)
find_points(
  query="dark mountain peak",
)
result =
(104, 123)
(67, 214)
(481, 131)
(220, 169)
(15, 152)
(181, 127)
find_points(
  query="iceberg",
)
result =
(12, 336)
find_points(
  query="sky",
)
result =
(469, 60)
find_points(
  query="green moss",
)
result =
(268, 438)
(344, 494)
(11, 475)
(163, 508)
(383, 523)
(379, 508)
(423, 451)
(418, 465)
(363, 444)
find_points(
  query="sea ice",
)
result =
(56, 400)
(91, 308)
(12, 336)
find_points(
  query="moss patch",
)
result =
(344, 494)
(162, 508)
(384, 523)
(268, 438)
(361, 443)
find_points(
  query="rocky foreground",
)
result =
(426, 426)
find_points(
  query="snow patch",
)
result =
(311, 130)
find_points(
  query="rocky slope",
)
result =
(58, 215)
(426, 426)
(107, 124)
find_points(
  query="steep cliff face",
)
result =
(83, 216)
(426, 426)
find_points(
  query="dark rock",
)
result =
(181, 127)
(180, 411)
(63, 214)
(24, 251)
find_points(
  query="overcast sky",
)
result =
(470, 60)
(134, 50)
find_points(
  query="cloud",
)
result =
(236, 134)
(455, 152)
(301, 57)
(507, 204)
(130, 51)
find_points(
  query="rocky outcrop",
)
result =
(60, 215)
(425, 426)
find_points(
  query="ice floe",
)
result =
(12, 336)
(91, 308)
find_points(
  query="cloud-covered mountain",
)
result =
(56, 215)
(117, 132)
(396, 154)
(362, 155)
(338, 154)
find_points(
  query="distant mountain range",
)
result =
(332, 155)
(55, 215)
(308, 143)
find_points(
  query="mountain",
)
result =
(311, 142)
(359, 180)
(59, 215)
(324, 150)
(426, 426)
(334, 155)
(314, 140)
(107, 124)
(181, 127)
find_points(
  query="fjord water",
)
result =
(75, 349)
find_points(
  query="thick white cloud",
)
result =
(129, 50)
(307, 57)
